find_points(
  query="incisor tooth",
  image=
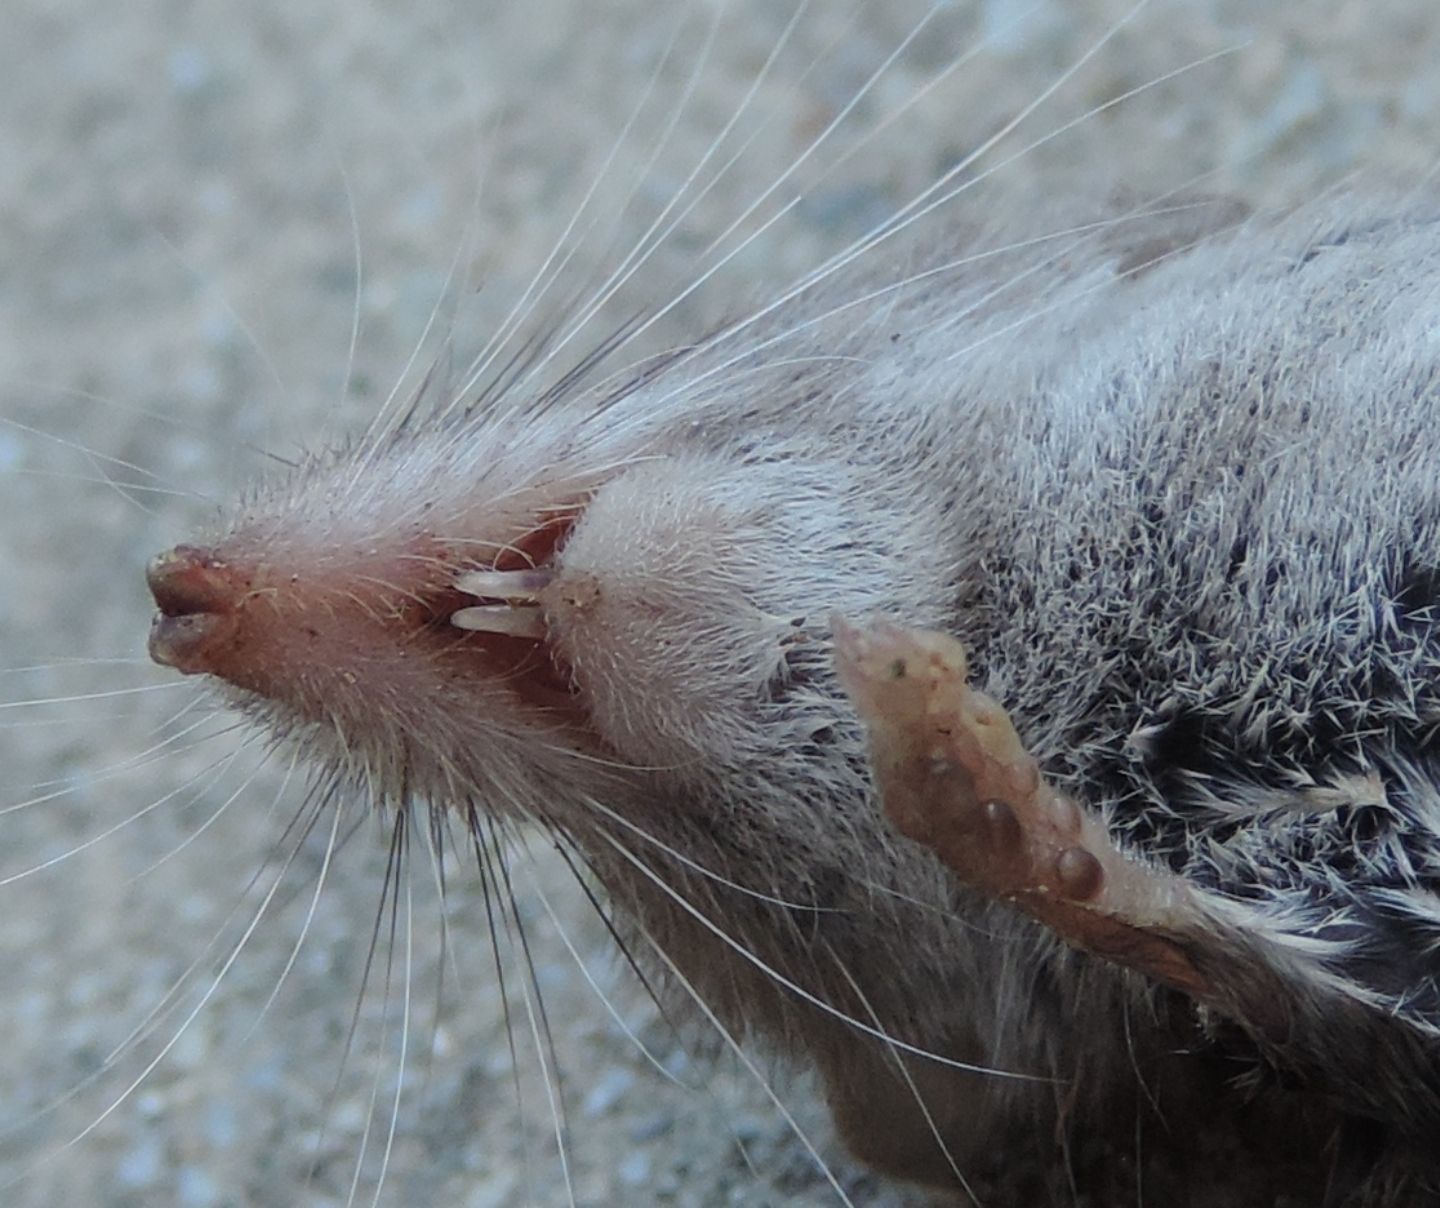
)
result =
(501, 618)
(517, 585)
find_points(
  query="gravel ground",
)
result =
(189, 194)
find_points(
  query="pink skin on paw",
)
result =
(954, 775)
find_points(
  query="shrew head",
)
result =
(427, 628)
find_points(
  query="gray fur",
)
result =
(1173, 483)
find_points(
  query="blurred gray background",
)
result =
(197, 202)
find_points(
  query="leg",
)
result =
(954, 776)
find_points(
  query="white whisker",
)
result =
(165, 1050)
(909, 1079)
(404, 1042)
(548, 271)
(794, 987)
(680, 857)
(610, 1008)
(748, 1062)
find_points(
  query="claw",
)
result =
(954, 775)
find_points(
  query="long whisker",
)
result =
(106, 694)
(257, 345)
(92, 455)
(904, 1071)
(175, 1037)
(434, 833)
(640, 253)
(404, 1042)
(836, 122)
(748, 1062)
(336, 804)
(548, 270)
(681, 858)
(372, 440)
(677, 111)
(215, 815)
(570, 854)
(645, 981)
(794, 987)
(920, 206)
(748, 352)
(109, 831)
(352, 1030)
(610, 1008)
(539, 1024)
(394, 870)
(55, 788)
(163, 1007)
(484, 861)
(357, 254)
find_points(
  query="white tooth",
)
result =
(501, 618)
(521, 585)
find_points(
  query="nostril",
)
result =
(197, 594)
(188, 580)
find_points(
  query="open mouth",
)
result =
(389, 621)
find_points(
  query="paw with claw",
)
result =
(954, 775)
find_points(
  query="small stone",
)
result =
(634, 1169)
(607, 1090)
(651, 1127)
(195, 1188)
